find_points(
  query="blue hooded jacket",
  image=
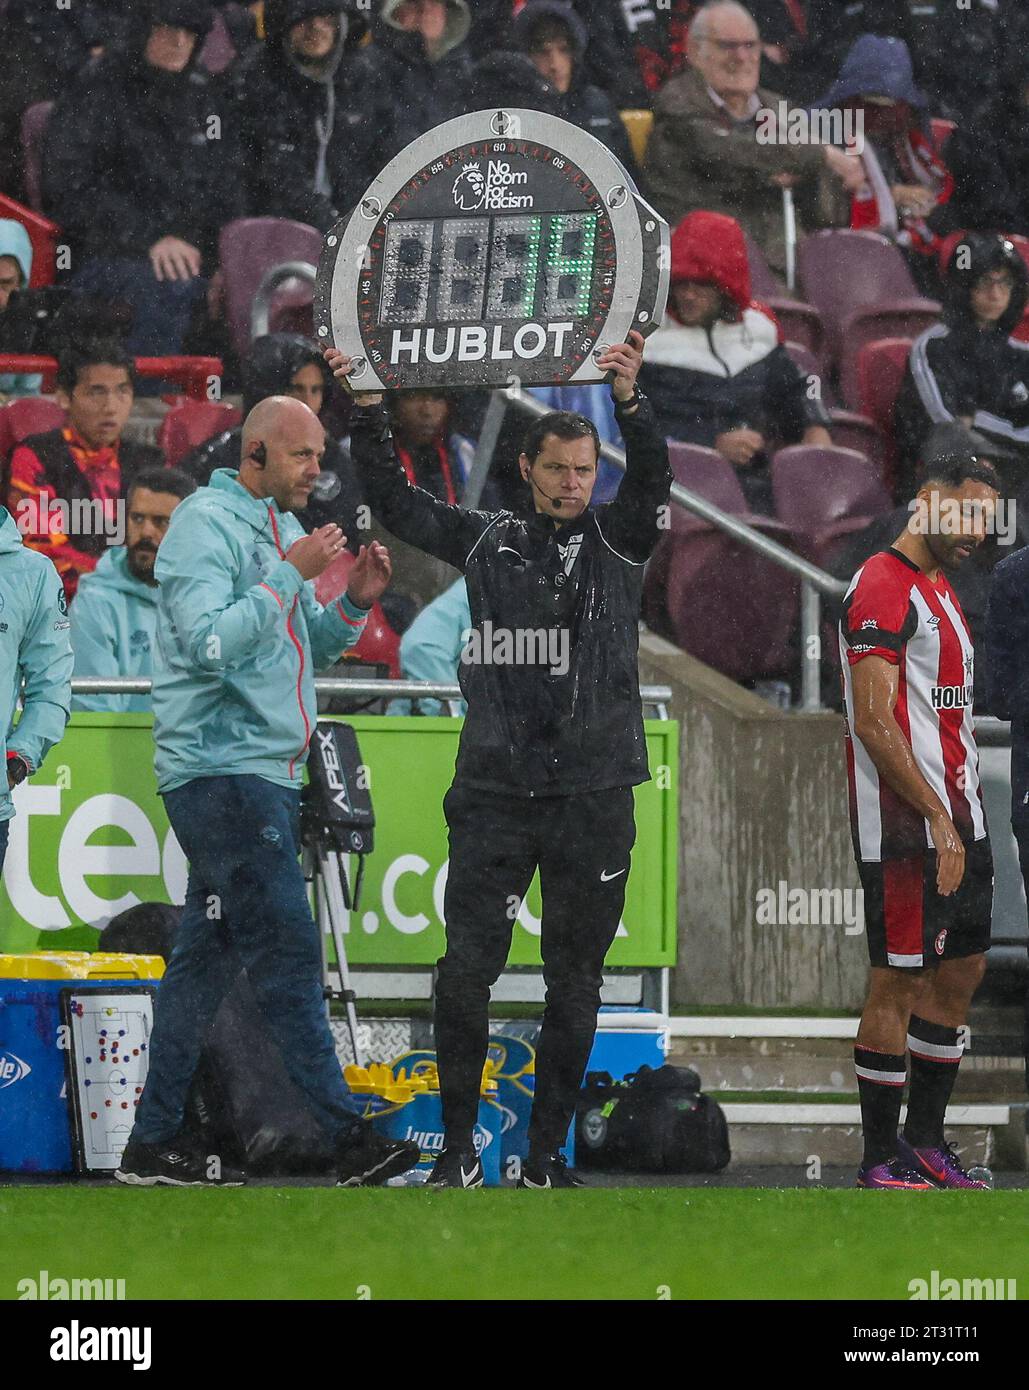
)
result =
(239, 638)
(113, 630)
(35, 654)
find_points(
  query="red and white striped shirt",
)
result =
(893, 610)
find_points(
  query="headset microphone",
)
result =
(557, 501)
(260, 455)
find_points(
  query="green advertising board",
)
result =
(91, 839)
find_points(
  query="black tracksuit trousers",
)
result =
(581, 845)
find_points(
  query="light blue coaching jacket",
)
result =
(239, 638)
(35, 653)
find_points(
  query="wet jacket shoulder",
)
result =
(132, 155)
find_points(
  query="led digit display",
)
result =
(504, 243)
(515, 247)
(405, 272)
(462, 280)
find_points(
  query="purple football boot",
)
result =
(941, 1165)
(895, 1173)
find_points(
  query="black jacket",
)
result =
(531, 729)
(733, 375)
(133, 154)
(956, 369)
(424, 93)
(312, 147)
(584, 104)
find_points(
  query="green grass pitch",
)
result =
(313, 1242)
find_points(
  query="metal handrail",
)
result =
(333, 685)
(261, 304)
(814, 581)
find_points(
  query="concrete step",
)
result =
(820, 1134)
(816, 1055)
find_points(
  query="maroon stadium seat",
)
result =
(908, 318)
(33, 126)
(851, 430)
(842, 271)
(713, 596)
(29, 415)
(191, 423)
(881, 368)
(379, 643)
(248, 249)
(19, 419)
(823, 495)
(811, 365)
(799, 322)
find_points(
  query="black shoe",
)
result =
(457, 1168)
(154, 1165)
(551, 1171)
(370, 1159)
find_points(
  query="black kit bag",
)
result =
(653, 1122)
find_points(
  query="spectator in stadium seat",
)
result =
(555, 38)
(705, 151)
(141, 169)
(988, 157)
(968, 368)
(85, 461)
(44, 47)
(15, 273)
(302, 97)
(288, 364)
(716, 371)
(904, 180)
(114, 620)
(427, 63)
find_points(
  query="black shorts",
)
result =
(907, 922)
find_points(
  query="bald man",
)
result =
(239, 637)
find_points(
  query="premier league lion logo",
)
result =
(470, 188)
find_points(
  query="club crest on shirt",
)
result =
(940, 942)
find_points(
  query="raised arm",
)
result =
(411, 513)
(631, 524)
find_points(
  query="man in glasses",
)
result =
(711, 150)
